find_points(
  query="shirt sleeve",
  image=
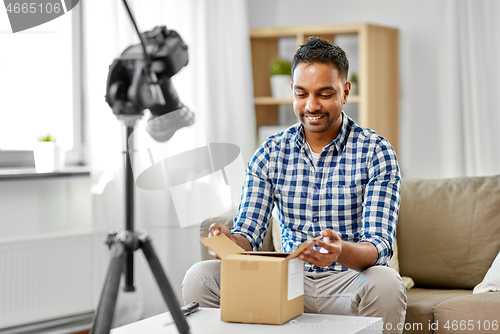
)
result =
(256, 204)
(381, 202)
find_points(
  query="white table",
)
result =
(207, 321)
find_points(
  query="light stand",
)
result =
(123, 245)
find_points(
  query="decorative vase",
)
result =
(280, 86)
(48, 157)
(354, 89)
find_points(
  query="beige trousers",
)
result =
(375, 292)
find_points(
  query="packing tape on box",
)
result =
(249, 265)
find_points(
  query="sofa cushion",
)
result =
(477, 313)
(420, 307)
(449, 230)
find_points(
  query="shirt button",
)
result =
(315, 220)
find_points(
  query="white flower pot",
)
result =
(354, 89)
(48, 156)
(280, 86)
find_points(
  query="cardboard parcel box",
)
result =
(259, 287)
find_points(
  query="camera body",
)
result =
(135, 83)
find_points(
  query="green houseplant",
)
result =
(47, 138)
(281, 76)
(281, 67)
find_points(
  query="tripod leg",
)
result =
(104, 315)
(164, 285)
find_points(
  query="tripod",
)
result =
(123, 245)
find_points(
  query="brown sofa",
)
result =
(448, 236)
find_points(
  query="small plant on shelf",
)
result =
(281, 67)
(281, 76)
(47, 138)
(48, 155)
(353, 78)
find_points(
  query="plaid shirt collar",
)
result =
(339, 142)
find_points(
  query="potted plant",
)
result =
(354, 83)
(48, 155)
(281, 76)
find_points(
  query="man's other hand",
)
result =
(332, 247)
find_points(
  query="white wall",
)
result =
(419, 24)
(41, 206)
(46, 248)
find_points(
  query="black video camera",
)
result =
(137, 82)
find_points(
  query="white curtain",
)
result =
(470, 87)
(216, 85)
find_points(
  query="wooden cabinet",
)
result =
(377, 65)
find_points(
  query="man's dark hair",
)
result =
(317, 50)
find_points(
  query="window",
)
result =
(40, 85)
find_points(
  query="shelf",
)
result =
(277, 32)
(270, 101)
(31, 173)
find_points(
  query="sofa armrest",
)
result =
(267, 244)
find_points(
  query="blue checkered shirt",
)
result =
(354, 190)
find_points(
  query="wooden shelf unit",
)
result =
(378, 72)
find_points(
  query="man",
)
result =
(327, 176)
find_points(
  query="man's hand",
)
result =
(357, 256)
(332, 245)
(215, 230)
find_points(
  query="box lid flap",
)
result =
(222, 245)
(302, 247)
